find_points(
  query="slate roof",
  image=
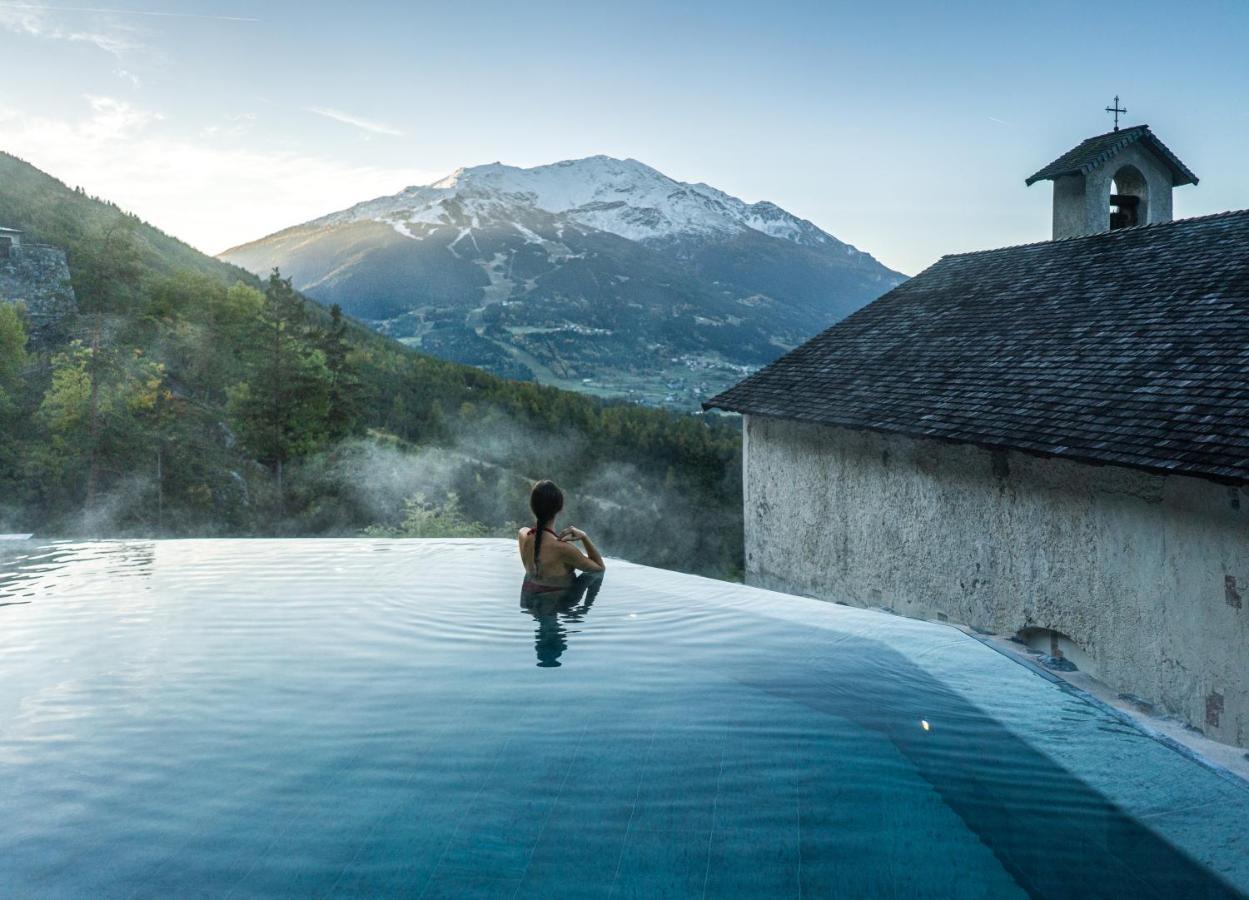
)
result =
(1093, 152)
(1129, 348)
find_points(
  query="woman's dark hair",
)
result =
(546, 500)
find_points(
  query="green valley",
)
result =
(185, 396)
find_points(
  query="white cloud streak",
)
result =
(354, 121)
(102, 10)
(34, 21)
(94, 25)
(211, 192)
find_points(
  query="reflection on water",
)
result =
(28, 568)
(553, 608)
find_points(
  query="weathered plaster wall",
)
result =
(1082, 203)
(38, 276)
(1148, 575)
(1070, 212)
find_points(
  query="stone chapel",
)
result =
(1047, 441)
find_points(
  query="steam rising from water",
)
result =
(643, 515)
(640, 515)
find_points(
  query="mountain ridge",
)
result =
(598, 274)
(587, 207)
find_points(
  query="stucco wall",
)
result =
(1082, 203)
(1070, 211)
(1148, 575)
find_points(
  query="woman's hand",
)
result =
(591, 561)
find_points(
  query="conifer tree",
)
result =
(345, 395)
(282, 410)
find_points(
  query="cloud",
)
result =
(210, 191)
(356, 121)
(39, 22)
(112, 119)
(233, 125)
(102, 10)
(98, 26)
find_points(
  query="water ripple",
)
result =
(346, 717)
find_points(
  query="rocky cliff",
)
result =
(37, 276)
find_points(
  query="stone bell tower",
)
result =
(1115, 180)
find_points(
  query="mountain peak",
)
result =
(466, 174)
(624, 197)
(598, 273)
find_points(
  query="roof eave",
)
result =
(718, 402)
(985, 444)
(1180, 173)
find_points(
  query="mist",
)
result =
(643, 516)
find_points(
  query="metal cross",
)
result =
(1116, 110)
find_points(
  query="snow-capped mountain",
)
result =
(622, 197)
(598, 272)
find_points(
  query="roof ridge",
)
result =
(1227, 213)
(1112, 142)
(1093, 152)
(1113, 149)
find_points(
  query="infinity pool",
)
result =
(239, 718)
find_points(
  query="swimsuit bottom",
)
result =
(535, 587)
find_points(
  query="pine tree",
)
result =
(345, 393)
(282, 410)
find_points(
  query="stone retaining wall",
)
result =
(38, 276)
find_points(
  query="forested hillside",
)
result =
(187, 397)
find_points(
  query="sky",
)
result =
(906, 129)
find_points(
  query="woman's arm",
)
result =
(591, 560)
(592, 552)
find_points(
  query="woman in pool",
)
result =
(551, 558)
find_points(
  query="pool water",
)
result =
(246, 718)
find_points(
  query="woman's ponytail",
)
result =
(538, 528)
(546, 500)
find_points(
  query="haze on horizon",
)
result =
(905, 129)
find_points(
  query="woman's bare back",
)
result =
(552, 566)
